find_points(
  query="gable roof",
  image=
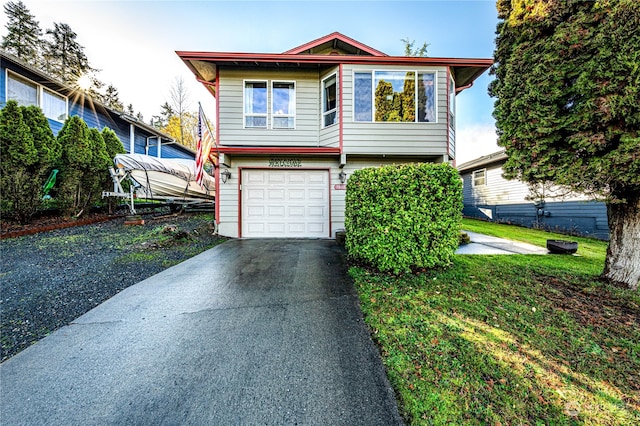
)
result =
(332, 44)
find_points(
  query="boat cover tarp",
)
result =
(183, 169)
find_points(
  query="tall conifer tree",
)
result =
(568, 111)
(23, 37)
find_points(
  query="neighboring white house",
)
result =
(487, 195)
(291, 127)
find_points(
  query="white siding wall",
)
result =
(307, 125)
(395, 138)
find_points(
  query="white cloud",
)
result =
(475, 141)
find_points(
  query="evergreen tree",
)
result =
(410, 51)
(112, 143)
(112, 99)
(19, 192)
(23, 37)
(567, 111)
(96, 173)
(64, 57)
(130, 111)
(76, 159)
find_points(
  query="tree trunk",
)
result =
(622, 265)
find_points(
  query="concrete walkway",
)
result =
(485, 244)
(250, 332)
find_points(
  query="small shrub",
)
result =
(403, 217)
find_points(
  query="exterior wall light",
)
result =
(225, 175)
(342, 176)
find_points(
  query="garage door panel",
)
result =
(275, 177)
(296, 194)
(285, 203)
(317, 178)
(276, 194)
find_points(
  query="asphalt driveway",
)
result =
(250, 332)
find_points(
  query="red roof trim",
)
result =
(277, 150)
(227, 57)
(333, 36)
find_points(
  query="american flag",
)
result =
(205, 141)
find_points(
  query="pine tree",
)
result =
(112, 99)
(410, 51)
(23, 37)
(567, 109)
(64, 57)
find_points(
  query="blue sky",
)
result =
(134, 42)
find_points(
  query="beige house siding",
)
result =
(395, 138)
(231, 105)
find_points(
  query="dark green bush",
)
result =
(28, 153)
(403, 217)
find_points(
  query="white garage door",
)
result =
(285, 203)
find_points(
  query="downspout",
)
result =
(132, 139)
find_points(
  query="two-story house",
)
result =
(28, 85)
(291, 127)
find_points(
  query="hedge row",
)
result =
(404, 217)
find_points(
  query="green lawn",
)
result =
(518, 339)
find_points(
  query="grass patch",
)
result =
(509, 339)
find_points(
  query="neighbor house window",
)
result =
(25, 92)
(54, 106)
(394, 96)
(283, 95)
(22, 91)
(329, 101)
(480, 177)
(255, 104)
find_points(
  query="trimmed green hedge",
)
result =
(403, 217)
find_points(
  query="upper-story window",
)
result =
(329, 101)
(394, 96)
(25, 92)
(283, 95)
(255, 104)
(479, 177)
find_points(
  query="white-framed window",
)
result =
(255, 104)
(479, 177)
(329, 101)
(21, 90)
(395, 96)
(283, 108)
(54, 106)
(26, 92)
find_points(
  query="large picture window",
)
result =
(394, 96)
(255, 104)
(283, 95)
(22, 91)
(329, 101)
(26, 93)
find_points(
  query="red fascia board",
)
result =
(277, 150)
(336, 35)
(274, 58)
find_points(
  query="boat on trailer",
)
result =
(165, 179)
